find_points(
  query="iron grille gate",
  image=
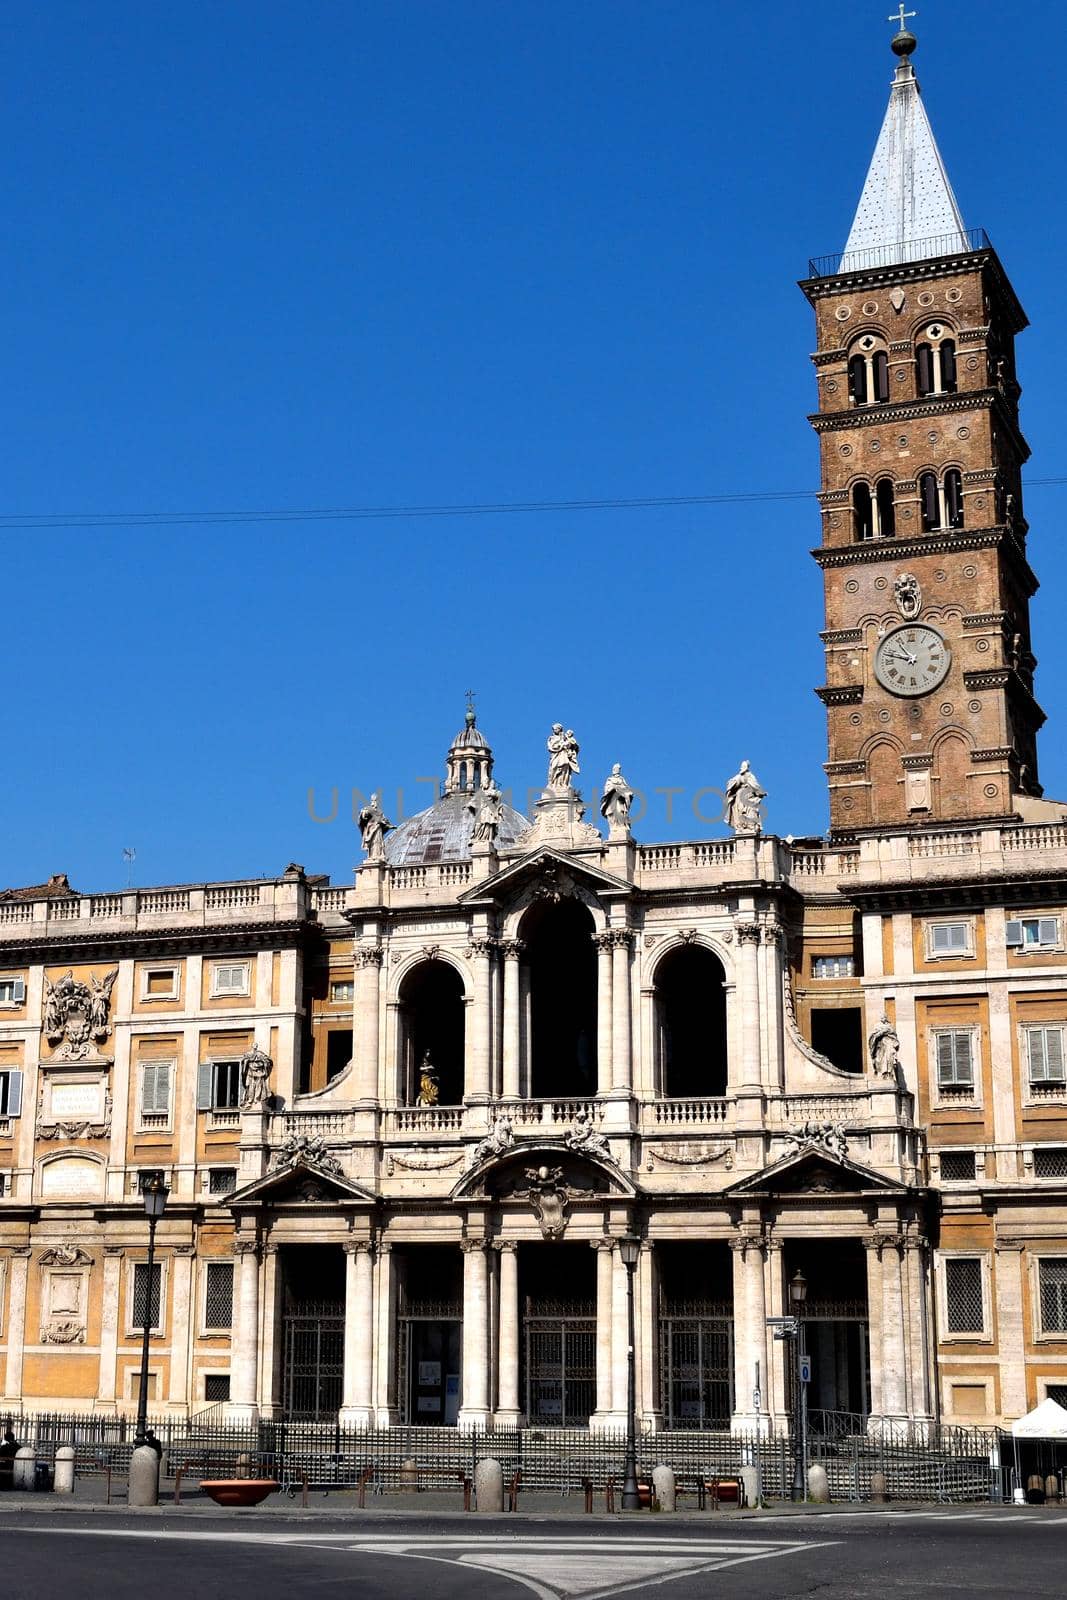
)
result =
(696, 1366)
(313, 1360)
(560, 1364)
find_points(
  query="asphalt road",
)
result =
(926, 1555)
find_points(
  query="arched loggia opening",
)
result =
(562, 965)
(431, 1033)
(691, 1024)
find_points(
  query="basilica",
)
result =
(425, 1135)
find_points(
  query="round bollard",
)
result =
(663, 1489)
(750, 1484)
(489, 1485)
(409, 1475)
(878, 1489)
(1052, 1488)
(144, 1477)
(63, 1483)
(818, 1484)
(23, 1470)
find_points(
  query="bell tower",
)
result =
(929, 670)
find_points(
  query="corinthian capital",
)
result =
(369, 955)
(747, 932)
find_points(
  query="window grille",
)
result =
(140, 1288)
(1045, 1049)
(216, 1386)
(1053, 1279)
(963, 1295)
(833, 967)
(1057, 1392)
(958, 1166)
(955, 1061)
(1050, 1162)
(222, 1180)
(1033, 933)
(218, 1295)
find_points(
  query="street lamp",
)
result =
(798, 1294)
(154, 1193)
(629, 1250)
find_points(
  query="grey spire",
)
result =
(907, 210)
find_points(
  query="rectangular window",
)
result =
(218, 1294)
(965, 1311)
(343, 989)
(10, 1093)
(1050, 1162)
(1052, 1277)
(156, 1080)
(229, 978)
(1044, 1049)
(222, 1180)
(3, 1192)
(338, 1052)
(949, 938)
(958, 1166)
(219, 1085)
(955, 1060)
(837, 1033)
(833, 967)
(159, 983)
(12, 991)
(216, 1386)
(1057, 1392)
(1033, 933)
(140, 1290)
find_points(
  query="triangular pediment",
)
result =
(815, 1170)
(299, 1183)
(545, 866)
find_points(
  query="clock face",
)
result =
(912, 660)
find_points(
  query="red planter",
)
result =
(238, 1491)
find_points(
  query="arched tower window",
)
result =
(935, 361)
(862, 512)
(953, 492)
(868, 372)
(941, 500)
(562, 966)
(885, 508)
(690, 1001)
(432, 1013)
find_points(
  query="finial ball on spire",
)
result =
(905, 42)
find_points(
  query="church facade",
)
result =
(424, 1135)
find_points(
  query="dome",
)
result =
(443, 833)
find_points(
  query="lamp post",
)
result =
(798, 1294)
(154, 1193)
(629, 1249)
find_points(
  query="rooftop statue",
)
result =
(616, 800)
(488, 815)
(562, 758)
(743, 796)
(373, 827)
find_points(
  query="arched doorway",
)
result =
(561, 962)
(432, 1013)
(691, 1023)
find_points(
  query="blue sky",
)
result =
(273, 256)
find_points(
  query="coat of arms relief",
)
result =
(77, 1016)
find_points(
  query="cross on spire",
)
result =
(902, 17)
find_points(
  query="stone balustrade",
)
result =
(687, 1114)
(136, 910)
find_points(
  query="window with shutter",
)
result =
(155, 1090)
(12, 991)
(230, 978)
(205, 1083)
(955, 1060)
(1045, 1051)
(950, 939)
(1048, 931)
(10, 1093)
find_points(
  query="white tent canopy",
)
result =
(1047, 1421)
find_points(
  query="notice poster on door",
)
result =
(430, 1402)
(429, 1374)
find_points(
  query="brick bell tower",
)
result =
(929, 670)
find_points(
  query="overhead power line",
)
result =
(173, 519)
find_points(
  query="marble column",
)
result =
(602, 1416)
(480, 1050)
(603, 943)
(368, 959)
(244, 1358)
(748, 939)
(508, 1409)
(750, 1333)
(385, 1399)
(474, 1411)
(872, 1245)
(917, 1326)
(620, 1339)
(271, 1353)
(776, 1391)
(109, 1327)
(512, 1043)
(621, 1043)
(18, 1267)
(894, 1387)
(774, 1055)
(357, 1392)
(181, 1318)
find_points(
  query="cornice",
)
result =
(909, 272)
(239, 938)
(874, 551)
(963, 893)
(841, 695)
(922, 409)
